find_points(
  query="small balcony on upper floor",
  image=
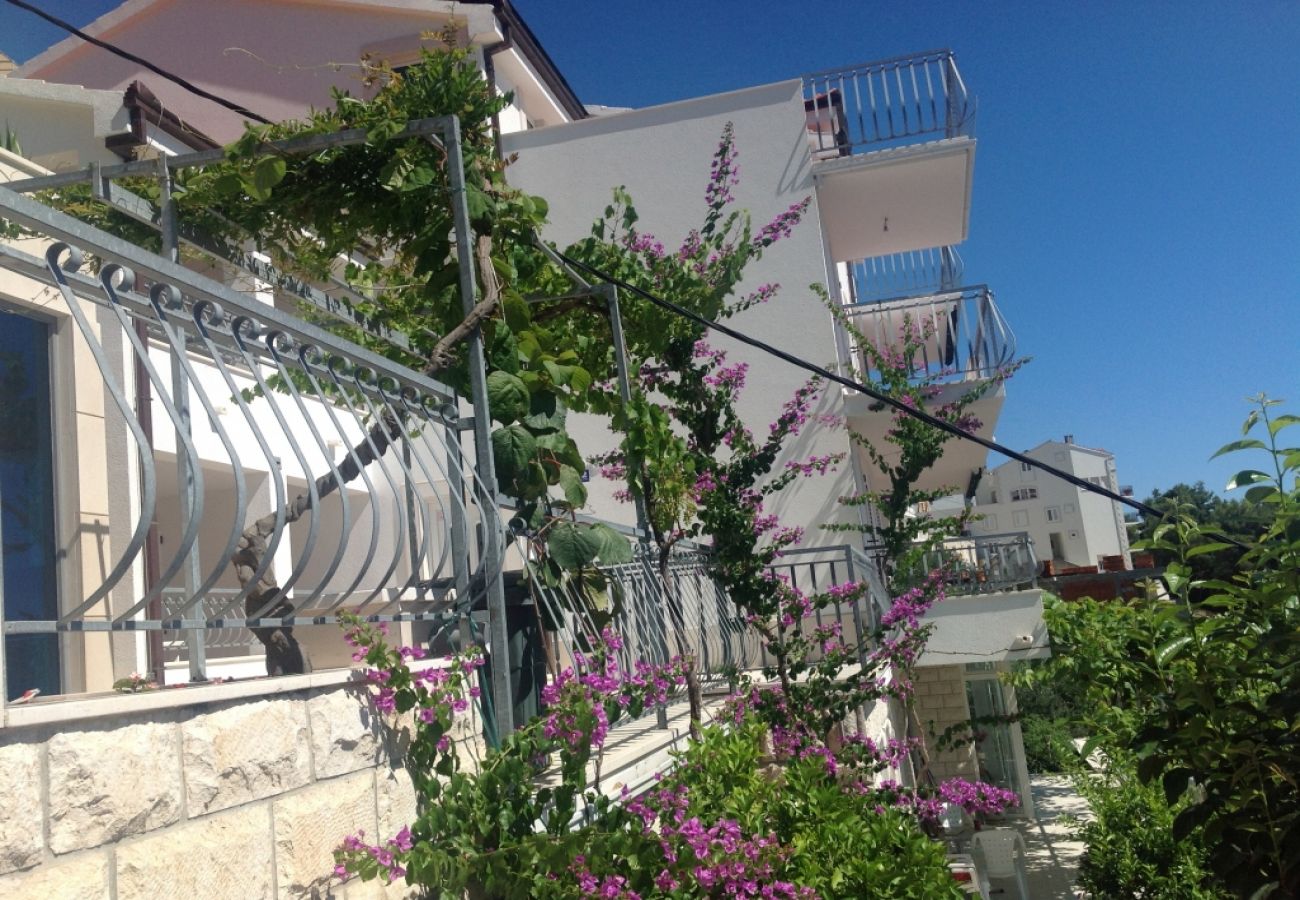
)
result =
(893, 153)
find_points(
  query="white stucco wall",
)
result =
(662, 155)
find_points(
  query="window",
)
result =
(1069, 508)
(1053, 513)
(993, 496)
(1026, 467)
(1020, 494)
(1020, 519)
(27, 507)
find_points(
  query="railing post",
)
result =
(951, 84)
(638, 502)
(195, 639)
(493, 555)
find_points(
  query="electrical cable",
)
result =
(140, 61)
(876, 395)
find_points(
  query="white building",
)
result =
(887, 178)
(1068, 525)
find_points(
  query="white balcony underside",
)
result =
(987, 628)
(922, 192)
(960, 457)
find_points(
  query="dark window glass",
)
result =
(27, 502)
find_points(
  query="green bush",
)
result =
(1131, 851)
(1048, 748)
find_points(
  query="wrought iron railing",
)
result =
(958, 336)
(231, 428)
(983, 564)
(876, 105)
(913, 273)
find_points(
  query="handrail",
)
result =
(962, 335)
(877, 104)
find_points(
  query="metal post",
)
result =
(195, 638)
(638, 502)
(498, 640)
(459, 529)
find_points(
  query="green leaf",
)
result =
(515, 307)
(1250, 422)
(546, 412)
(573, 546)
(1277, 424)
(513, 448)
(579, 380)
(508, 397)
(1245, 477)
(1244, 444)
(615, 549)
(269, 171)
(1170, 649)
(1212, 547)
(1261, 493)
(571, 483)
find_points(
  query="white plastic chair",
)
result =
(998, 847)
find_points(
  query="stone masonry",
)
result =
(242, 798)
(941, 704)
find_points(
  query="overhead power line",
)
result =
(877, 395)
(140, 61)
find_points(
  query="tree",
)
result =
(1229, 517)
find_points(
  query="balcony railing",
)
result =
(933, 270)
(984, 564)
(957, 336)
(882, 104)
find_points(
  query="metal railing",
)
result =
(882, 104)
(913, 273)
(692, 615)
(961, 334)
(331, 477)
(984, 564)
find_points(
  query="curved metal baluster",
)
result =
(304, 354)
(313, 527)
(191, 533)
(209, 313)
(429, 435)
(149, 485)
(273, 339)
(401, 522)
(180, 357)
(414, 578)
(420, 412)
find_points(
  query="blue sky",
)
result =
(1136, 203)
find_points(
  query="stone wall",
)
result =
(211, 798)
(940, 704)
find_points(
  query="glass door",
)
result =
(30, 557)
(999, 749)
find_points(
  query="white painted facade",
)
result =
(1067, 524)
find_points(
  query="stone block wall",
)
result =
(940, 693)
(223, 798)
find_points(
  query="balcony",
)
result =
(893, 153)
(993, 611)
(984, 564)
(964, 340)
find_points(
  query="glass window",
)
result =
(1053, 513)
(27, 502)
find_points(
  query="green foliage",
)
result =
(1206, 686)
(1235, 518)
(1131, 850)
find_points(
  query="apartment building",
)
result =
(882, 154)
(1068, 525)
